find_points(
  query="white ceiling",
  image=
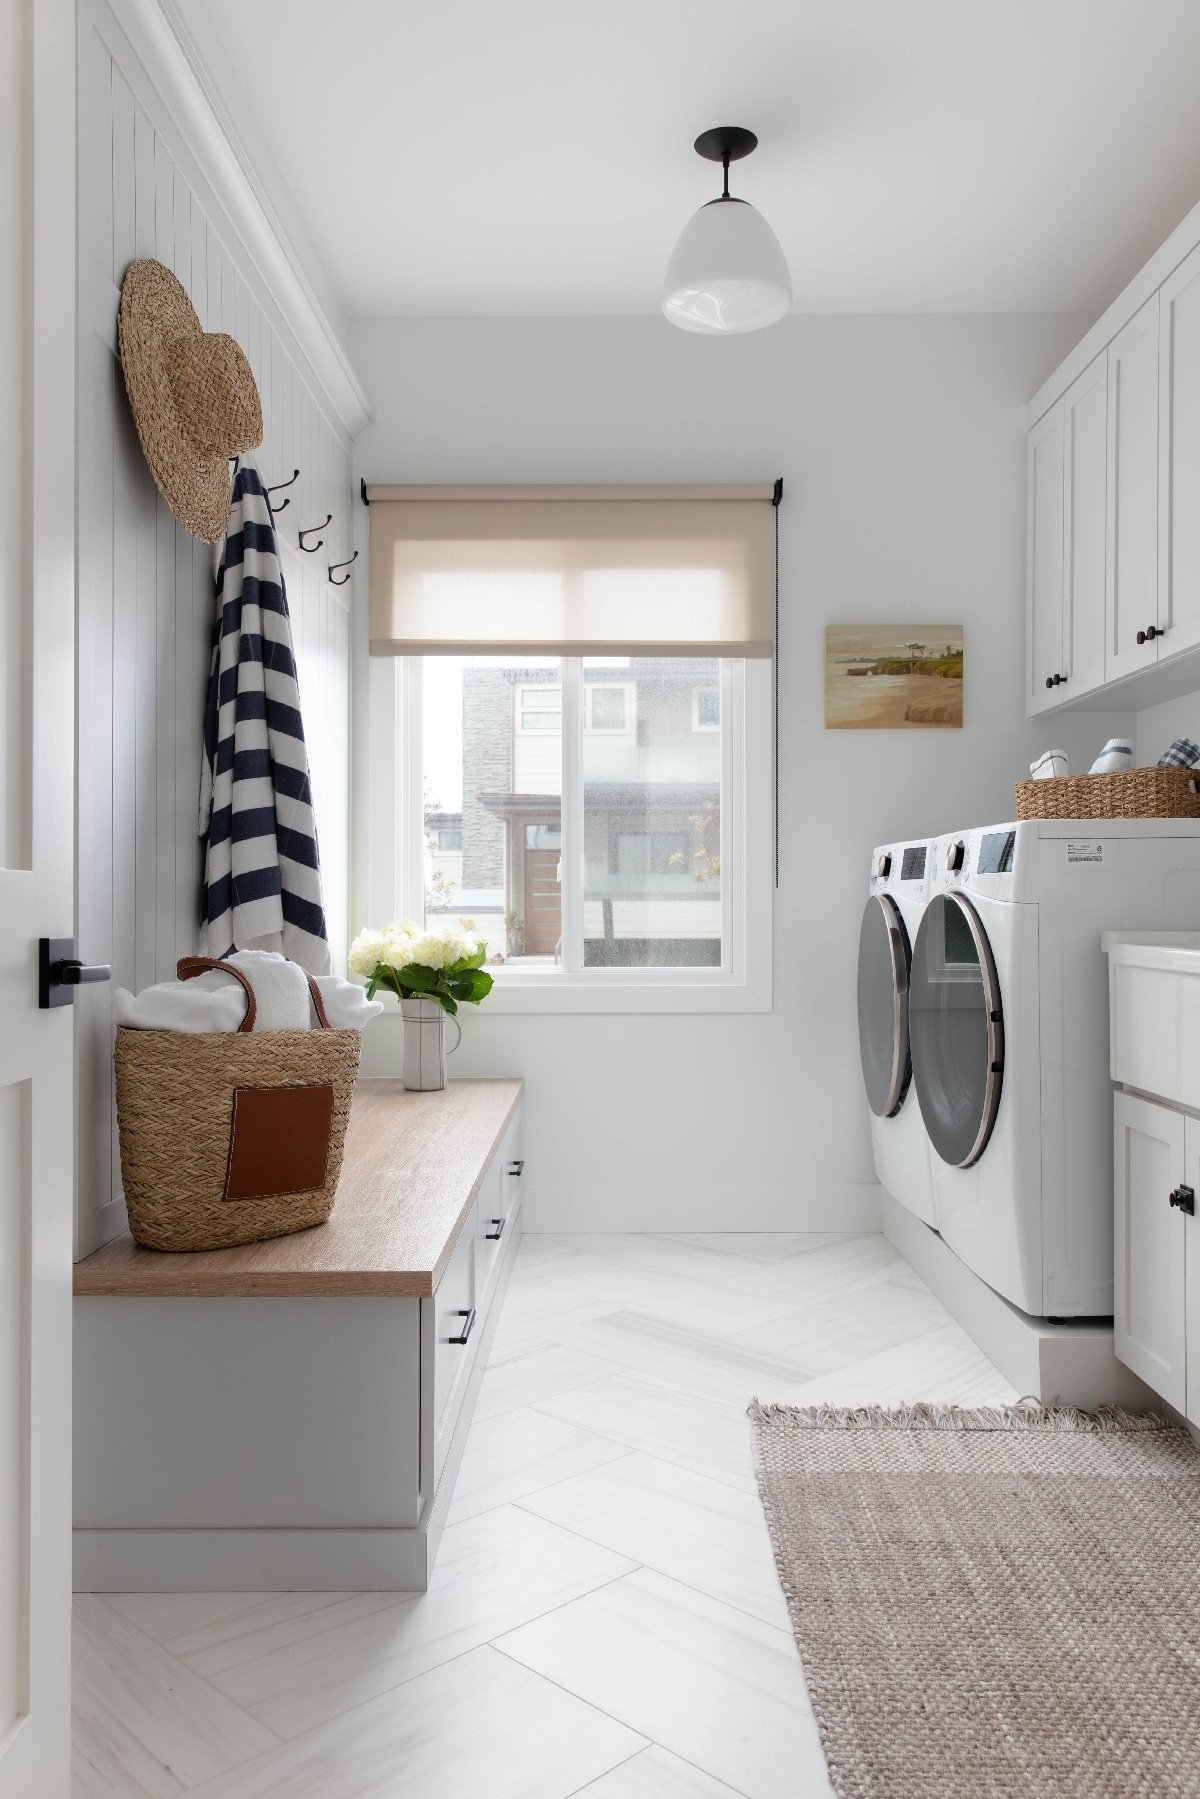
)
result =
(534, 156)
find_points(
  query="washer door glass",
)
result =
(956, 1029)
(883, 963)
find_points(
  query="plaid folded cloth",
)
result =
(1183, 753)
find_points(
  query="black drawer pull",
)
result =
(1185, 1199)
(467, 1328)
(495, 1236)
(515, 1168)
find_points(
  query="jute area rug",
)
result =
(992, 1602)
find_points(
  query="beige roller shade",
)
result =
(685, 571)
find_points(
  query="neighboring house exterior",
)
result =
(651, 780)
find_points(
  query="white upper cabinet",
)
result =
(1131, 608)
(1179, 458)
(1085, 516)
(1044, 578)
(1113, 494)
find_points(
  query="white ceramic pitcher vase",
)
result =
(425, 1049)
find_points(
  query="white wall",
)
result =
(147, 599)
(901, 442)
(1159, 726)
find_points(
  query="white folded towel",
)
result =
(1115, 756)
(215, 1001)
(1051, 765)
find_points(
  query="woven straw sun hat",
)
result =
(193, 394)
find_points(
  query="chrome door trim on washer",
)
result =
(900, 957)
(994, 1033)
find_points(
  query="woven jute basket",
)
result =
(176, 1101)
(1133, 793)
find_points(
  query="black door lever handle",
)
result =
(60, 971)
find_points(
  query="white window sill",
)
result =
(530, 995)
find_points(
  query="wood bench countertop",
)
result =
(413, 1164)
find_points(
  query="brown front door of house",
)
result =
(543, 901)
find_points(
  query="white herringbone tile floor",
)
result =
(604, 1616)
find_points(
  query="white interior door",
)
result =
(37, 691)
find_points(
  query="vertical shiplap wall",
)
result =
(146, 600)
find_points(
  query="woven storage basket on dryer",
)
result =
(188, 1181)
(1132, 793)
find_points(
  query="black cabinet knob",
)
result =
(1149, 634)
(1050, 680)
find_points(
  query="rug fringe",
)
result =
(1026, 1414)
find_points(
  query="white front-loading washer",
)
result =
(899, 879)
(1008, 1022)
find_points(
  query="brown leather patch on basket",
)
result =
(279, 1142)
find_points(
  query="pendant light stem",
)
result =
(725, 166)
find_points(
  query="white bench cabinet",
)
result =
(291, 1414)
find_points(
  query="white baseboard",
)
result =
(251, 1561)
(713, 1206)
(1073, 1362)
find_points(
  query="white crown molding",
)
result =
(162, 37)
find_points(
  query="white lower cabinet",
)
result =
(1156, 1154)
(258, 1443)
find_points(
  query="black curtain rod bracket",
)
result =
(362, 488)
(778, 494)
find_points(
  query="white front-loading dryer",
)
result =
(1008, 1023)
(899, 874)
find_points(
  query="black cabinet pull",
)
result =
(1149, 634)
(495, 1236)
(467, 1328)
(1185, 1199)
(515, 1168)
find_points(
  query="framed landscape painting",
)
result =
(893, 677)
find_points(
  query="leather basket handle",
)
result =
(189, 966)
(318, 1003)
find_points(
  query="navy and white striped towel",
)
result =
(262, 876)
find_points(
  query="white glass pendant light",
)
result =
(727, 273)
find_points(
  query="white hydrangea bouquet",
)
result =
(444, 964)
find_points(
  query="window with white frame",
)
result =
(602, 820)
(706, 709)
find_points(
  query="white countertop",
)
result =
(1154, 949)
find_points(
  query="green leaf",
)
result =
(472, 985)
(416, 978)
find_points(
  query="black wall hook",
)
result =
(310, 548)
(345, 564)
(278, 488)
